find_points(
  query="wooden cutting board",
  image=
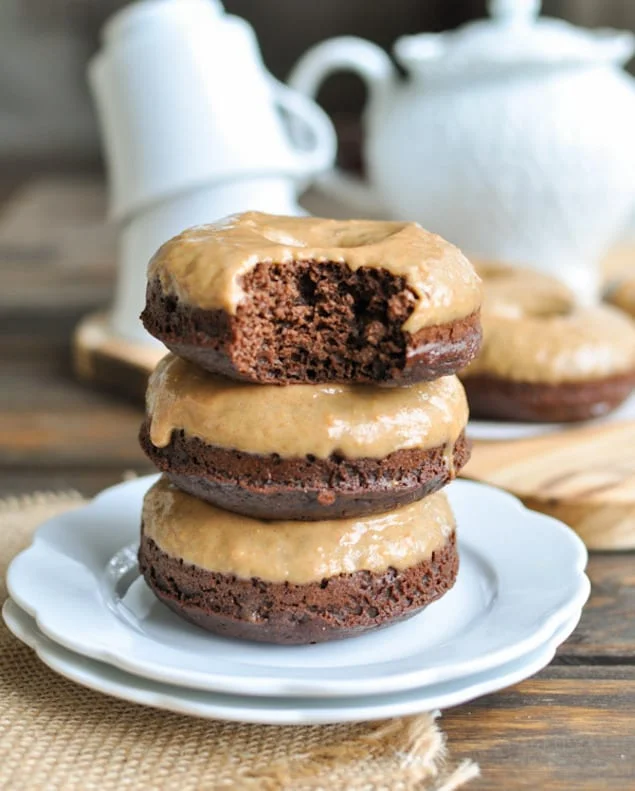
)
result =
(109, 362)
(583, 476)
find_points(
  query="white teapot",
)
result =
(514, 137)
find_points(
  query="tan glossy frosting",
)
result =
(204, 265)
(297, 552)
(534, 332)
(356, 421)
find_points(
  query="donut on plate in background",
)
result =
(544, 358)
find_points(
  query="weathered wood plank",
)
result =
(607, 630)
(568, 729)
(55, 248)
(99, 438)
(14, 483)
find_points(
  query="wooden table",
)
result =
(571, 727)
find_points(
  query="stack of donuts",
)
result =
(544, 357)
(305, 422)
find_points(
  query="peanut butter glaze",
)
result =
(296, 552)
(534, 332)
(204, 265)
(355, 421)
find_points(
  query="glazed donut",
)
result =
(291, 582)
(302, 300)
(362, 450)
(544, 358)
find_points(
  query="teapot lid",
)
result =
(515, 35)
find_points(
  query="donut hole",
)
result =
(518, 292)
(278, 236)
(515, 309)
(489, 270)
(524, 302)
(342, 235)
(551, 310)
(361, 237)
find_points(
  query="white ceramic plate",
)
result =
(503, 430)
(522, 576)
(277, 711)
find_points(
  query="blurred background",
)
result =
(57, 254)
(45, 110)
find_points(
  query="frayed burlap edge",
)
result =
(408, 753)
(125, 745)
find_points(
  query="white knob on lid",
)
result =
(514, 12)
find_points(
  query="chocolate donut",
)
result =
(294, 583)
(281, 300)
(306, 452)
(544, 358)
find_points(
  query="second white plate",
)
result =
(271, 710)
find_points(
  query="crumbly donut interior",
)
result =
(323, 321)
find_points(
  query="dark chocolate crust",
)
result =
(313, 322)
(271, 487)
(280, 612)
(501, 399)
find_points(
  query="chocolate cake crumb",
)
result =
(311, 322)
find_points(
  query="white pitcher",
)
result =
(184, 100)
(514, 137)
(142, 235)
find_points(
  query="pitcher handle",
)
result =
(306, 116)
(372, 64)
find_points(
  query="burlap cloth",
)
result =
(57, 735)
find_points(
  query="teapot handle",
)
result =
(372, 64)
(319, 153)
